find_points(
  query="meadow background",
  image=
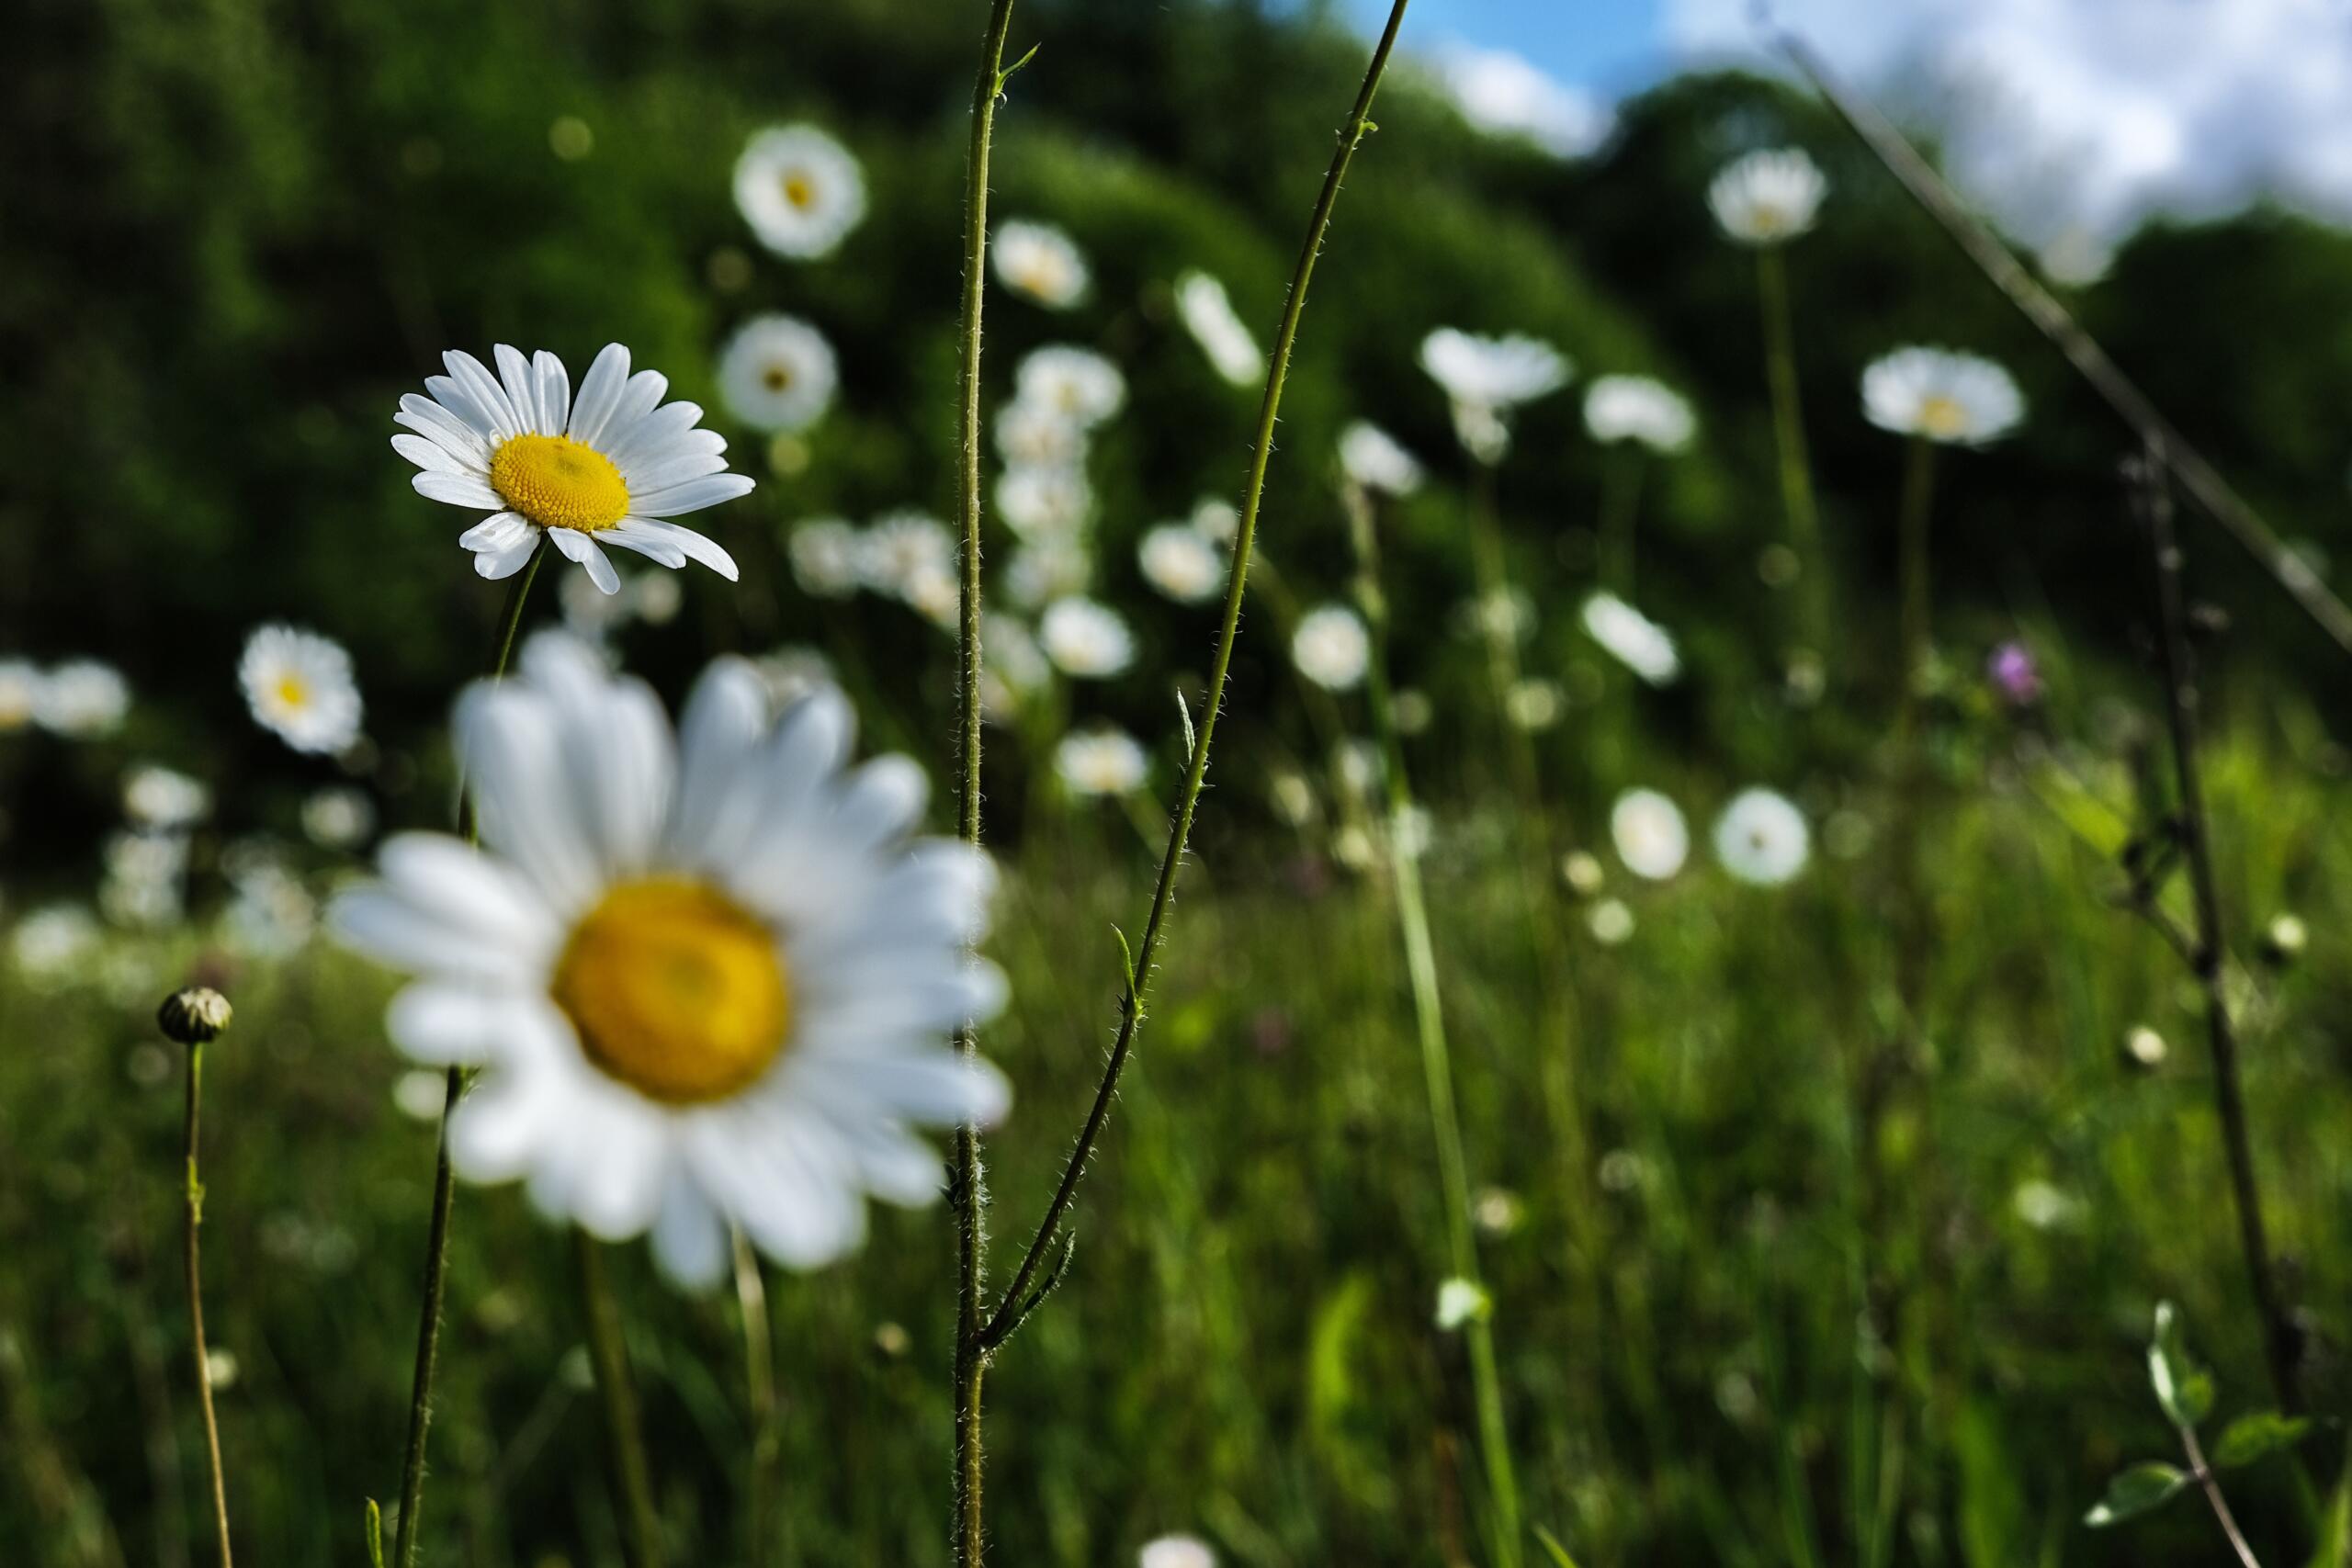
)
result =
(235, 232)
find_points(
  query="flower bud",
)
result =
(193, 1016)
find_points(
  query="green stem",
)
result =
(1015, 1299)
(624, 1428)
(968, 1190)
(759, 1385)
(195, 1213)
(436, 1243)
(1437, 1064)
(1918, 496)
(1788, 430)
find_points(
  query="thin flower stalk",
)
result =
(1788, 444)
(632, 1476)
(194, 1212)
(760, 1391)
(1049, 1245)
(1918, 500)
(1437, 1062)
(444, 1179)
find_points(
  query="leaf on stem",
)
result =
(2250, 1438)
(2135, 1491)
(2184, 1389)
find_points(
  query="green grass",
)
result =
(1246, 1349)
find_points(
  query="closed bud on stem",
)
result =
(194, 1016)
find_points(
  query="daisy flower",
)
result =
(1940, 396)
(164, 798)
(1371, 459)
(1332, 647)
(1649, 833)
(777, 373)
(1633, 639)
(51, 942)
(1176, 1551)
(705, 980)
(828, 557)
(1208, 314)
(1039, 263)
(145, 879)
(300, 688)
(1038, 435)
(81, 700)
(338, 817)
(799, 189)
(1181, 563)
(1534, 704)
(1051, 567)
(1636, 408)
(19, 693)
(1085, 638)
(608, 465)
(1077, 383)
(1767, 196)
(1610, 922)
(1761, 837)
(270, 913)
(1486, 379)
(1042, 503)
(905, 548)
(1100, 762)
(1218, 522)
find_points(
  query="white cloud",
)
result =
(1503, 93)
(2080, 118)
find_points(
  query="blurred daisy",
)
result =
(590, 611)
(1045, 501)
(1610, 921)
(270, 914)
(602, 469)
(1218, 522)
(1208, 314)
(1332, 647)
(905, 548)
(338, 817)
(799, 189)
(1100, 762)
(300, 687)
(1937, 395)
(1767, 196)
(828, 557)
(777, 373)
(81, 700)
(707, 980)
(1040, 262)
(1180, 561)
(52, 941)
(1014, 655)
(1486, 379)
(1371, 459)
(1038, 435)
(1636, 641)
(420, 1095)
(1176, 1551)
(1534, 704)
(1051, 567)
(1085, 638)
(163, 799)
(2042, 1205)
(145, 880)
(937, 595)
(1077, 383)
(1638, 408)
(1650, 835)
(19, 693)
(1761, 837)
(655, 597)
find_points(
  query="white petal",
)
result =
(689, 1233)
(457, 489)
(608, 1168)
(508, 559)
(578, 546)
(633, 537)
(783, 1181)
(724, 722)
(432, 456)
(648, 439)
(452, 398)
(522, 387)
(554, 392)
(528, 808)
(443, 1025)
(675, 467)
(502, 1127)
(639, 395)
(498, 533)
(388, 929)
(690, 496)
(489, 398)
(600, 391)
(935, 1086)
(444, 877)
(687, 543)
(618, 754)
(451, 431)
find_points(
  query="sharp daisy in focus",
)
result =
(610, 466)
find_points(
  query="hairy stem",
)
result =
(1352, 131)
(632, 1477)
(968, 1190)
(436, 1242)
(194, 1217)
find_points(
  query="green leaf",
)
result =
(2182, 1388)
(2135, 1491)
(1553, 1549)
(2249, 1437)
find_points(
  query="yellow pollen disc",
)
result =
(797, 190)
(557, 482)
(674, 990)
(291, 692)
(1942, 417)
(777, 379)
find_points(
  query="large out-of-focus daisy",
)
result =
(1208, 314)
(1176, 1551)
(1181, 563)
(1045, 501)
(1937, 395)
(1077, 383)
(1332, 647)
(1100, 761)
(1033, 434)
(1086, 639)
(300, 688)
(81, 699)
(1633, 639)
(1649, 833)
(905, 548)
(828, 556)
(1768, 197)
(777, 373)
(1371, 459)
(605, 467)
(706, 979)
(1040, 262)
(51, 942)
(1636, 408)
(801, 190)
(1761, 837)
(1487, 377)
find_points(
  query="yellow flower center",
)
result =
(776, 378)
(798, 191)
(293, 691)
(674, 990)
(558, 482)
(1942, 418)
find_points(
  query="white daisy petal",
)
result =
(600, 394)
(673, 469)
(497, 565)
(500, 532)
(554, 392)
(578, 547)
(442, 1025)
(522, 386)
(457, 489)
(507, 742)
(490, 399)
(450, 432)
(725, 721)
(633, 537)
(687, 542)
(452, 399)
(689, 1233)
